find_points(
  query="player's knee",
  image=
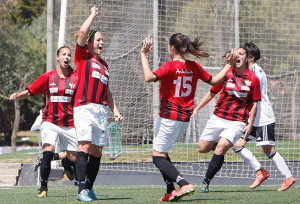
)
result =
(272, 154)
(238, 149)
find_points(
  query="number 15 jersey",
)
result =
(178, 83)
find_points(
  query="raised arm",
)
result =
(147, 47)
(230, 61)
(205, 100)
(22, 94)
(85, 27)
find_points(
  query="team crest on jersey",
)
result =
(72, 85)
(248, 82)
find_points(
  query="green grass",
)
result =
(151, 194)
(182, 152)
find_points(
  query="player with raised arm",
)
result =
(178, 80)
(263, 129)
(240, 93)
(57, 120)
(91, 101)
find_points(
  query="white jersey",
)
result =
(264, 114)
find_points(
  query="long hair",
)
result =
(185, 46)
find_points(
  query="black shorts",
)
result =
(264, 135)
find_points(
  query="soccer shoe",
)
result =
(93, 195)
(37, 163)
(68, 169)
(287, 183)
(42, 193)
(261, 175)
(84, 196)
(185, 190)
(168, 196)
(203, 188)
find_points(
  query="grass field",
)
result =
(182, 152)
(151, 194)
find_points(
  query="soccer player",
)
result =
(178, 80)
(240, 93)
(263, 129)
(91, 101)
(57, 120)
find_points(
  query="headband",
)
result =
(91, 34)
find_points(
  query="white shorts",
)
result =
(166, 133)
(67, 136)
(218, 127)
(91, 123)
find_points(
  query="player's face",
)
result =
(96, 45)
(241, 58)
(64, 57)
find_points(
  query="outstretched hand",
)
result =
(13, 96)
(231, 57)
(147, 45)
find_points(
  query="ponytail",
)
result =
(185, 46)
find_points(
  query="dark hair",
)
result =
(253, 50)
(185, 46)
(58, 51)
(91, 35)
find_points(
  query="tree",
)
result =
(22, 54)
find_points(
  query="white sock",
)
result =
(249, 159)
(281, 165)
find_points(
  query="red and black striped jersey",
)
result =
(237, 95)
(93, 78)
(178, 83)
(60, 93)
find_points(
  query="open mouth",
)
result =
(66, 62)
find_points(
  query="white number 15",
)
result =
(178, 90)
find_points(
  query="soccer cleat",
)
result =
(185, 190)
(37, 163)
(42, 193)
(92, 194)
(203, 188)
(84, 196)
(168, 196)
(261, 175)
(287, 184)
(68, 169)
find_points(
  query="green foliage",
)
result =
(25, 11)
(22, 49)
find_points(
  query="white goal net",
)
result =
(271, 24)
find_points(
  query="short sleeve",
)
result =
(256, 89)
(39, 86)
(218, 88)
(162, 71)
(80, 53)
(203, 74)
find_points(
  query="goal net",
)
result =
(272, 25)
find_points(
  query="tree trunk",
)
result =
(15, 126)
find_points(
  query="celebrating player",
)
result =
(178, 79)
(90, 111)
(240, 93)
(57, 120)
(263, 129)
